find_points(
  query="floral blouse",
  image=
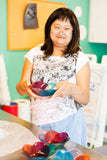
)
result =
(53, 69)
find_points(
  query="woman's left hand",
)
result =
(79, 91)
(63, 89)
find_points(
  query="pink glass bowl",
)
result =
(42, 88)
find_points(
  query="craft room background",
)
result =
(14, 59)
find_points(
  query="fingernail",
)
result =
(55, 88)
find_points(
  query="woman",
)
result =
(59, 60)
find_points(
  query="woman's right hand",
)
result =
(24, 89)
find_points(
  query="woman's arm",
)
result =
(83, 83)
(79, 92)
(22, 87)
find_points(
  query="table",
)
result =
(102, 150)
(36, 131)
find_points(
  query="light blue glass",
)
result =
(64, 155)
(37, 158)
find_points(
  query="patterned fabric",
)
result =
(51, 110)
(54, 69)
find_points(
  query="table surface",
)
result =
(36, 131)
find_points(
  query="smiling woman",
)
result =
(59, 60)
(61, 32)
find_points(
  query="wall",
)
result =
(14, 59)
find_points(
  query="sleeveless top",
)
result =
(53, 69)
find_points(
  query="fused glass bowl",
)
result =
(63, 155)
(54, 138)
(36, 158)
(78, 155)
(48, 148)
(42, 88)
(37, 151)
(74, 154)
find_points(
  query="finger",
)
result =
(59, 93)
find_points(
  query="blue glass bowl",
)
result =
(42, 92)
(63, 155)
(37, 158)
(41, 88)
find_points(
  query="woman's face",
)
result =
(61, 32)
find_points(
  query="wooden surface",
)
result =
(36, 131)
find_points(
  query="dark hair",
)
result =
(73, 46)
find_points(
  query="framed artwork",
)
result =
(21, 35)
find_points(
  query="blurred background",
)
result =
(92, 17)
